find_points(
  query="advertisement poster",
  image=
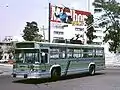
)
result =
(62, 18)
(67, 15)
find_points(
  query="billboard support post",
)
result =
(49, 18)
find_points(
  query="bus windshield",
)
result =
(27, 56)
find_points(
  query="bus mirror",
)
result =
(43, 54)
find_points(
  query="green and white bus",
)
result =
(41, 59)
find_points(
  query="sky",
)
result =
(15, 13)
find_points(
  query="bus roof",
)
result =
(63, 44)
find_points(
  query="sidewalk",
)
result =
(9, 65)
(5, 69)
(113, 66)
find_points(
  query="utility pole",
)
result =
(88, 5)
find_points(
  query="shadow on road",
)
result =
(46, 80)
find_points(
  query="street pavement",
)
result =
(6, 69)
(108, 79)
(1, 72)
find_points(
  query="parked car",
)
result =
(10, 61)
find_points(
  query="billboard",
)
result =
(67, 15)
(63, 22)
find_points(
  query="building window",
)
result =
(79, 29)
(99, 37)
(98, 31)
(58, 32)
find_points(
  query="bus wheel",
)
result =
(25, 75)
(92, 69)
(56, 73)
(14, 75)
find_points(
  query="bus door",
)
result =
(44, 55)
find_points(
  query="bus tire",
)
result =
(14, 75)
(56, 73)
(92, 70)
(25, 75)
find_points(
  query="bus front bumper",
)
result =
(30, 74)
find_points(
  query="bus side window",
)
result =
(62, 53)
(99, 52)
(85, 52)
(70, 52)
(77, 53)
(88, 52)
(54, 53)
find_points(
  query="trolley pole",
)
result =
(43, 30)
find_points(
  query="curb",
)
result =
(1, 72)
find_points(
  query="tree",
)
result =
(31, 32)
(90, 29)
(110, 20)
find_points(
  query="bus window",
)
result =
(90, 52)
(31, 57)
(77, 53)
(87, 52)
(57, 52)
(70, 52)
(44, 50)
(99, 52)
(19, 57)
(62, 53)
(54, 53)
(27, 56)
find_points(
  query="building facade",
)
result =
(6, 48)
